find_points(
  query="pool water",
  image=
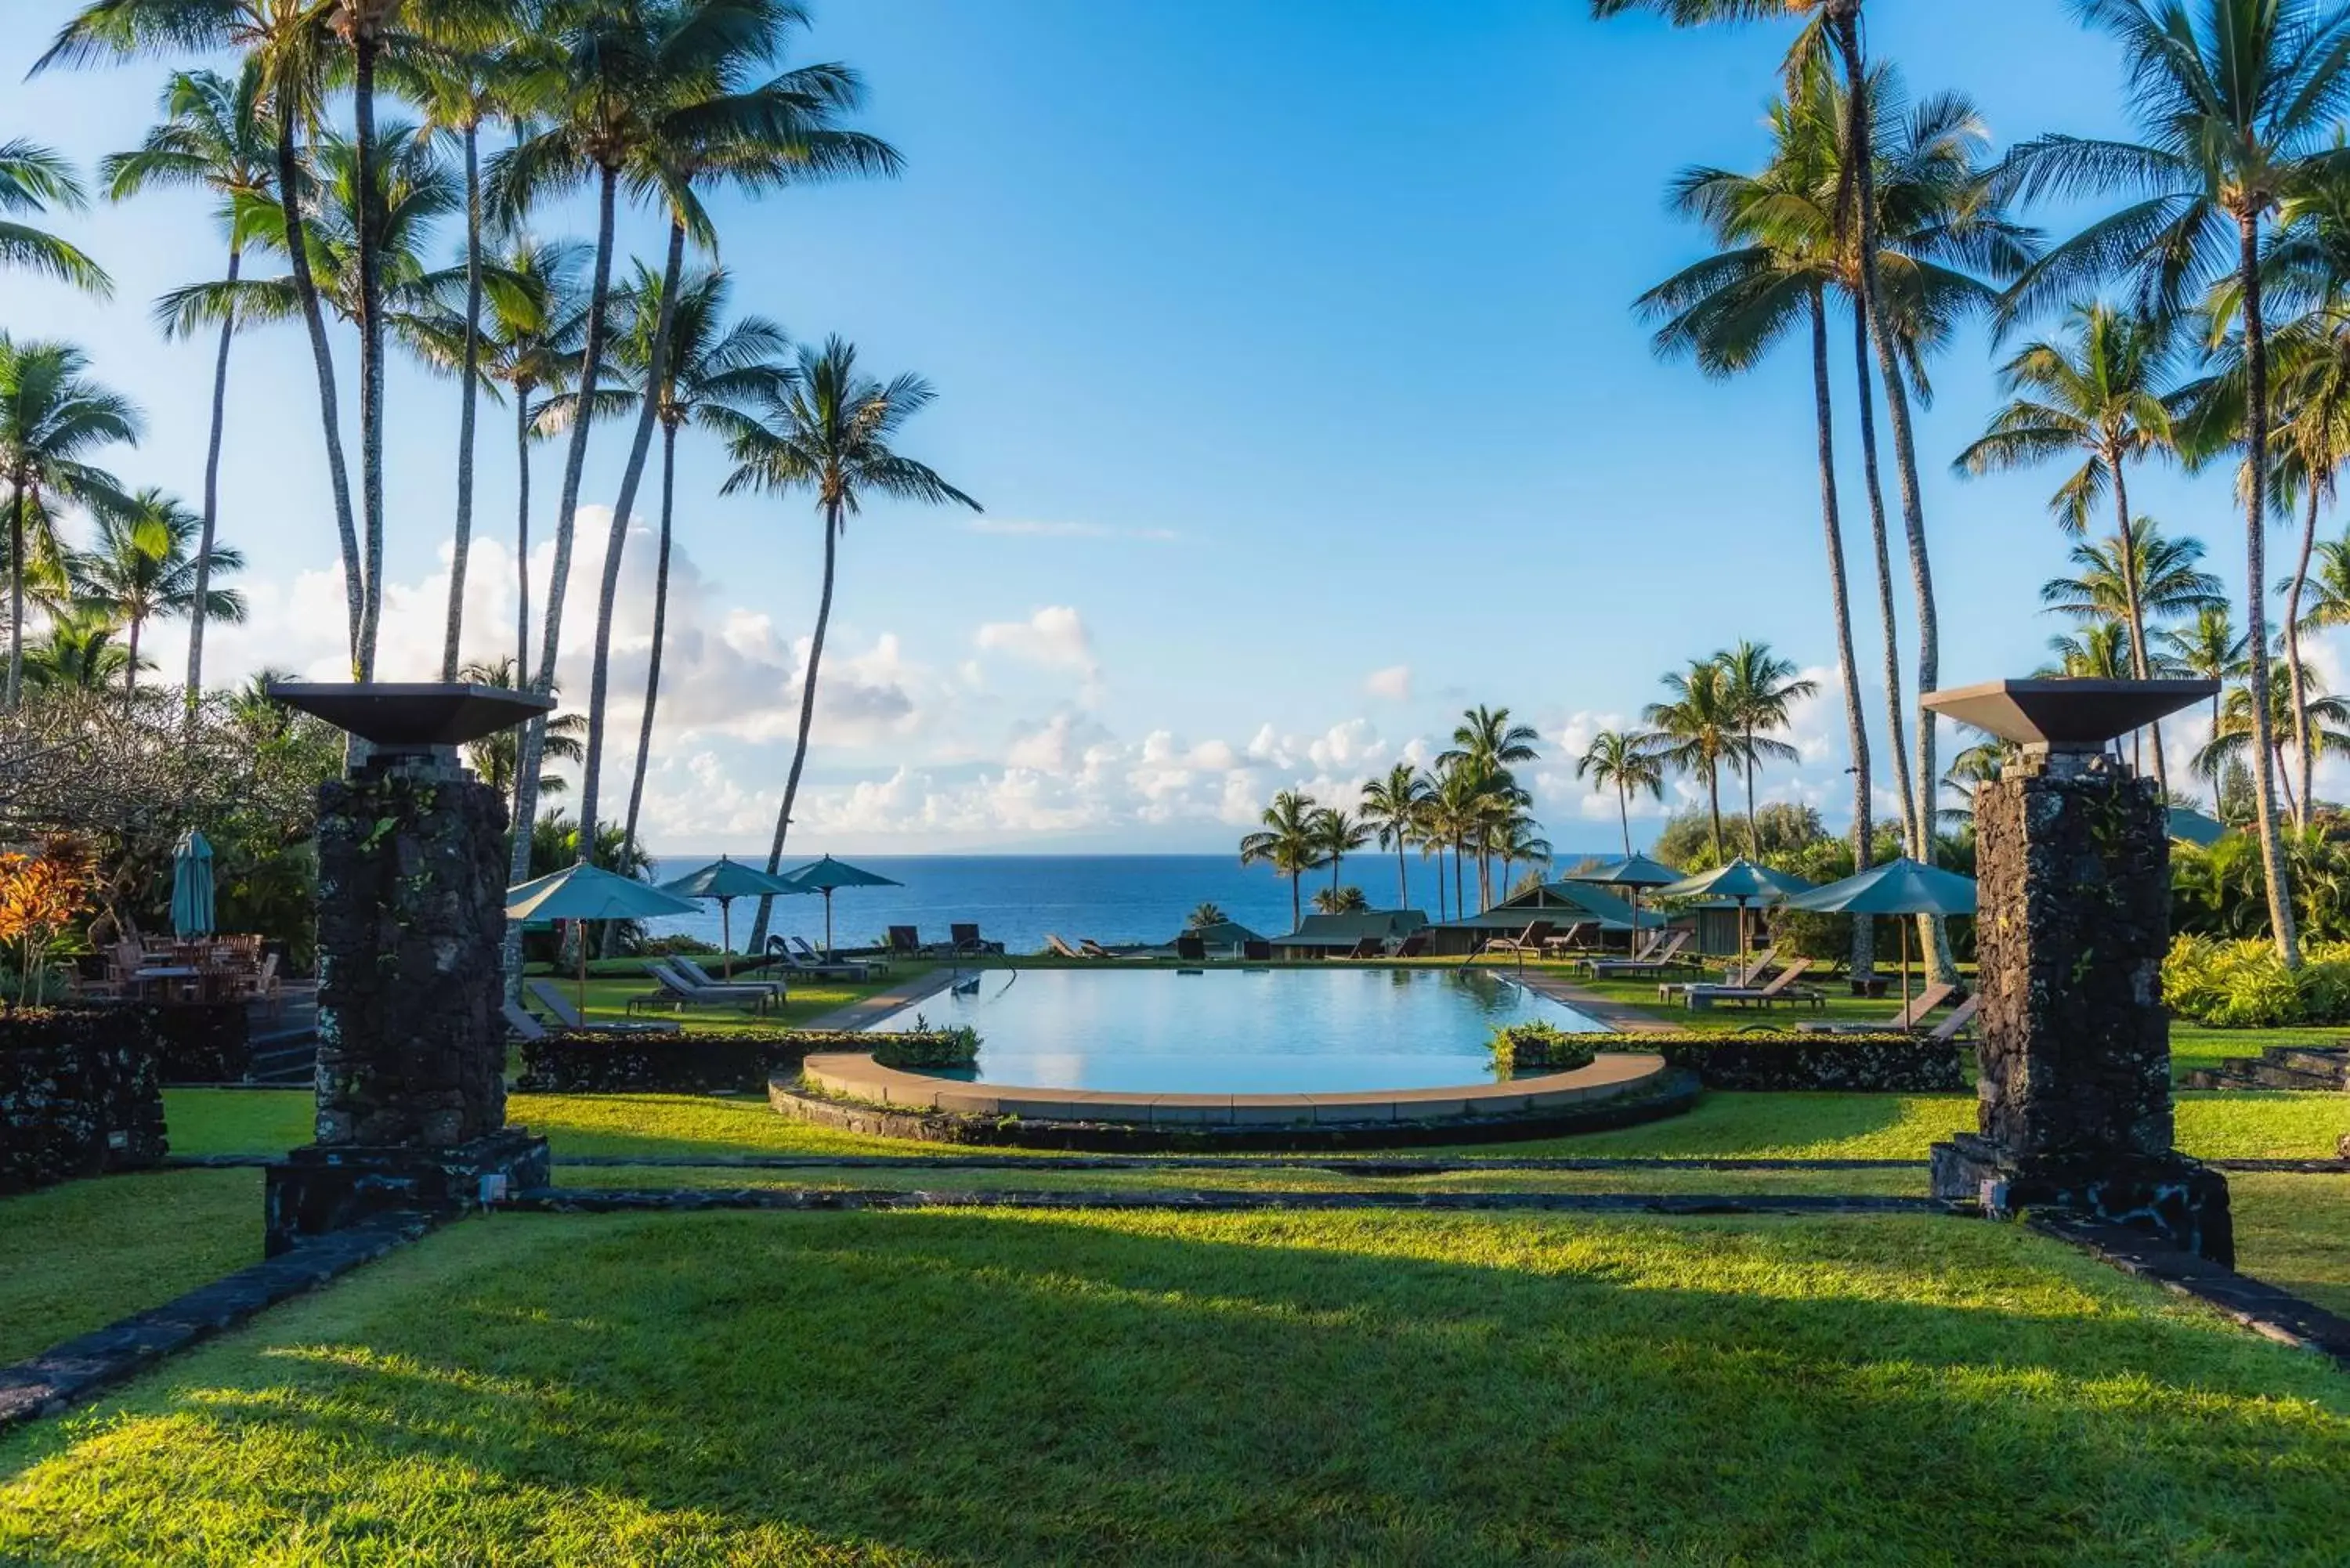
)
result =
(1236, 1031)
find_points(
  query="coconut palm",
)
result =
(715, 369)
(52, 418)
(1203, 916)
(1627, 764)
(1290, 842)
(1700, 731)
(827, 432)
(80, 652)
(2095, 394)
(216, 135)
(2097, 652)
(2208, 649)
(2326, 721)
(1393, 807)
(2239, 101)
(495, 757)
(1489, 743)
(1340, 902)
(1519, 841)
(33, 178)
(1339, 833)
(289, 44)
(1764, 690)
(144, 567)
(2133, 581)
(2328, 602)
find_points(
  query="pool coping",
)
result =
(856, 1075)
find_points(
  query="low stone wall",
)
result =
(575, 1063)
(212, 1043)
(1865, 1063)
(78, 1096)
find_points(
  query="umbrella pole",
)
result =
(726, 933)
(827, 923)
(581, 932)
(1905, 976)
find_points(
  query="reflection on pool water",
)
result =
(1237, 1031)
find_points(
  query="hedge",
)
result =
(592, 1062)
(1777, 1060)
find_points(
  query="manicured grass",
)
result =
(1185, 1388)
(1838, 1007)
(2294, 1231)
(2193, 1045)
(76, 1257)
(1041, 1176)
(608, 998)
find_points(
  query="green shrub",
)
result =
(922, 1049)
(2244, 985)
(1543, 1045)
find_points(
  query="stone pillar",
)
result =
(2073, 866)
(412, 1109)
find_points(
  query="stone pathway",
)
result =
(1591, 1004)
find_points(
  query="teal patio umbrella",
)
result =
(2189, 825)
(1631, 874)
(1742, 882)
(823, 876)
(727, 881)
(582, 893)
(1903, 886)
(192, 886)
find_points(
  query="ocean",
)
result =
(1016, 899)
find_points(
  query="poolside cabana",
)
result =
(1563, 904)
(1334, 936)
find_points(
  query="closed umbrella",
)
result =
(1631, 874)
(1903, 886)
(823, 876)
(727, 881)
(583, 893)
(192, 886)
(1742, 882)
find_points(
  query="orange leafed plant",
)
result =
(40, 893)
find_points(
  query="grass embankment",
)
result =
(1183, 1388)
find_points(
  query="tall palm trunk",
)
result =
(2127, 545)
(322, 357)
(648, 414)
(534, 736)
(522, 531)
(1863, 958)
(17, 485)
(807, 719)
(1897, 723)
(1713, 803)
(131, 669)
(1403, 881)
(660, 624)
(212, 491)
(370, 266)
(2303, 757)
(1753, 824)
(471, 374)
(1296, 902)
(1460, 883)
(2256, 621)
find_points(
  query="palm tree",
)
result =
(2326, 721)
(2328, 604)
(144, 568)
(2097, 652)
(1394, 807)
(1517, 840)
(827, 432)
(1764, 688)
(1627, 764)
(2132, 581)
(1203, 916)
(1700, 730)
(52, 416)
(1289, 841)
(1486, 740)
(290, 46)
(32, 179)
(1339, 833)
(715, 369)
(494, 758)
(2095, 394)
(1456, 815)
(2238, 100)
(1340, 901)
(79, 654)
(216, 135)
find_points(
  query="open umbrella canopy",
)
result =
(726, 879)
(192, 886)
(588, 893)
(823, 875)
(1743, 880)
(2191, 827)
(1903, 886)
(1633, 871)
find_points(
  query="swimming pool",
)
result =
(1237, 1031)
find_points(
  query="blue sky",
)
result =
(1289, 350)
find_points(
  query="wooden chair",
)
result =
(1529, 940)
(1903, 1021)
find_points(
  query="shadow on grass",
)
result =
(1183, 1388)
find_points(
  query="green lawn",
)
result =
(1183, 1388)
(608, 995)
(2294, 1231)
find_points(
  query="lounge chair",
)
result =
(1781, 988)
(1412, 946)
(906, 941)
(1959, 1022)
(1059, 948)
(700, 976)
(1366, 948)
(1529, 940)
(965, 941)
(1903, 1021)
(796, 956)
(677, 991)
(1664, 955)
(520, 1024)
(1578, 934)
(559, 1007)
(1258, 951)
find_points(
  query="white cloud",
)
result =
(1393, 683)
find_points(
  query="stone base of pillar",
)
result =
(2182, 1200)
(320, 1187)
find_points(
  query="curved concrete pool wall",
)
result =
(856, 1075)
